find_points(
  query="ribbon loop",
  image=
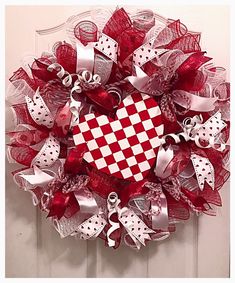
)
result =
(158, 211)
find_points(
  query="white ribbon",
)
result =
(108, 46)
(164, 157)
(48, 154)
(204, 171)
(39, 111)
(136, 228)
(85, 57)
(38, 178)
(92, 227)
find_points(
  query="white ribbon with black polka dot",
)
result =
(41, 115)
(39, 111)
(204, 171)
(48, 154)
(135, 227)
(92, 227)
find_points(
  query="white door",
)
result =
(200, 248)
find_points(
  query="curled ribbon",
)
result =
(194, 129)
(135, 227)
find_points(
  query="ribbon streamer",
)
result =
(112, 205)
(85, 57)
(67, 226)
(92, 227)
(197, 103)
(163, 159)
(158, 211)
(48, 154)
(204, 171)
(39, 111)
(38, 178)
(108, 46)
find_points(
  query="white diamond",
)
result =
(131, 161)
(153, 112)
(88, 157)
(100, 163)
(116, 126)
(129, 131)
(140, 106)
(118, 156)
(155, 142)
(126, 173)
(149, 154)
(137, 149)
(144, 166)
(90, 117)
(102, 120)
(105, 150)
(138, 177)
(147, 124)
(128, 100)
(78, 139)
(142, 137)
(135, 119)
(110, 138)
(122, 113)
(84, 127)
(160, 130)
(97, 133)
(124, 144)
(113, 168)
(92, 145)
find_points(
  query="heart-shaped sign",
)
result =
(127, 146)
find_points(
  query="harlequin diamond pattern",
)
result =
(127, 146)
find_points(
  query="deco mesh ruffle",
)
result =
(122, 130)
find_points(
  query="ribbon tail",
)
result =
(197, 103)
(92, 227)
(160, 215)
(163, 159)
(86, 202)
(204, 171)
(134, 225)
(85, 57)
(38, 178)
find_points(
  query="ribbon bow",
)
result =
(135, 227)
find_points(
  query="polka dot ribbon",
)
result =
(39, 111)
(135, 227)
(204, 171)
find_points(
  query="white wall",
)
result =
(34, 249)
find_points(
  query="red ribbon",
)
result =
(63, 204)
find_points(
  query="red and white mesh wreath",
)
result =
(122, 132)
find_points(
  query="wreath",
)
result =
(122, 131)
